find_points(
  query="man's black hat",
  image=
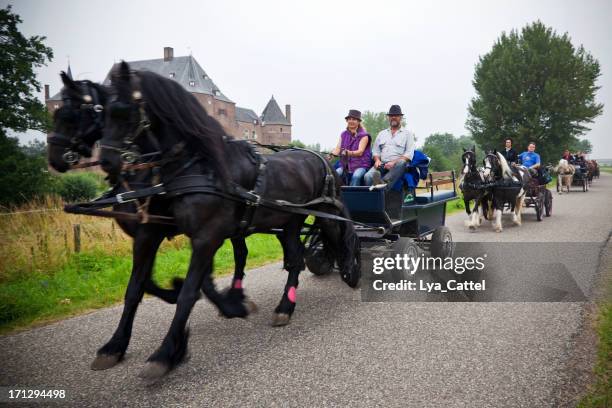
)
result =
(395, 110)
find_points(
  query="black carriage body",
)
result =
(403, 213)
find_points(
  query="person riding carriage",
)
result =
(354, 150)
(392, 150)
(509, 153)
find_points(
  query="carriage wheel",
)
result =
(400, 247)
(548, 202)
(316, 259)
(442, 243)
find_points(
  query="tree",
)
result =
(445, 143)
(374, 123)
(534, 85)
(20, 110)
(445, 150)
(298, 143)
(583, 145)
(22, 176)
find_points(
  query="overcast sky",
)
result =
(322, 57)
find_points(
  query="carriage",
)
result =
(581, 178)
(538, 197)
(408, 221)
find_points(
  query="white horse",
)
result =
(565, 172)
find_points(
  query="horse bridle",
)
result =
(92, 105)
(487, 164)
(130, 153)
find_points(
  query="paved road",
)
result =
(338, 350)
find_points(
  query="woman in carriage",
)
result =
(354, 150)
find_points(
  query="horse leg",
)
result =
(466, 204)
(146, 243)
(236, 293)
(294, 263)
(174, 346)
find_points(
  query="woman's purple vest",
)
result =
(350, 142)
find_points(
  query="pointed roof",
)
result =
(58, 96)
(246, 115)
(273, 115)
(184, 70)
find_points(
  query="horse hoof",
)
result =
(472, 228)
(153, 370)
(251, 307)
(105, 361)
(280, 319)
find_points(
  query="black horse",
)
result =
(78, 125)
(194, 148)
(510, 186)
(472, 188)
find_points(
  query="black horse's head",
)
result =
(78, 124)
(468, 159)
(492, 166)
(125, 121)
(150, 109)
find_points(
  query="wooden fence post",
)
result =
(77, 237)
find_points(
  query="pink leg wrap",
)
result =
(291, 294)
(238, 284)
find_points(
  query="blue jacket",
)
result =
(416, 170)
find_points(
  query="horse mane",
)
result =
(506, 172)
(180, 110)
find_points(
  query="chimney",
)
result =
(168, 53)
(46, 92)
(288, 113)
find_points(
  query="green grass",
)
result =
(96, 279)
(606, 169)
(600, 392)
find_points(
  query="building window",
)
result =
(191, 83)
(217, 93)
(205, 76)
(254, 135)
(281, 130)
(172, 74)
(222, 112)
(56, 106)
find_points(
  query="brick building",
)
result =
(272, 127)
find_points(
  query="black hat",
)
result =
(395, 110)
(353, 113)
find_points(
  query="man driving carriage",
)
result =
(530, 159)
(392, 150)
(353, 149)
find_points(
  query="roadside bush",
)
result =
(77, 186)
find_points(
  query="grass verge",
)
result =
(599, 394)
(95, 279)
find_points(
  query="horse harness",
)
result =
(176, 184)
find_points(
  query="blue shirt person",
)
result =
(530, 158)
